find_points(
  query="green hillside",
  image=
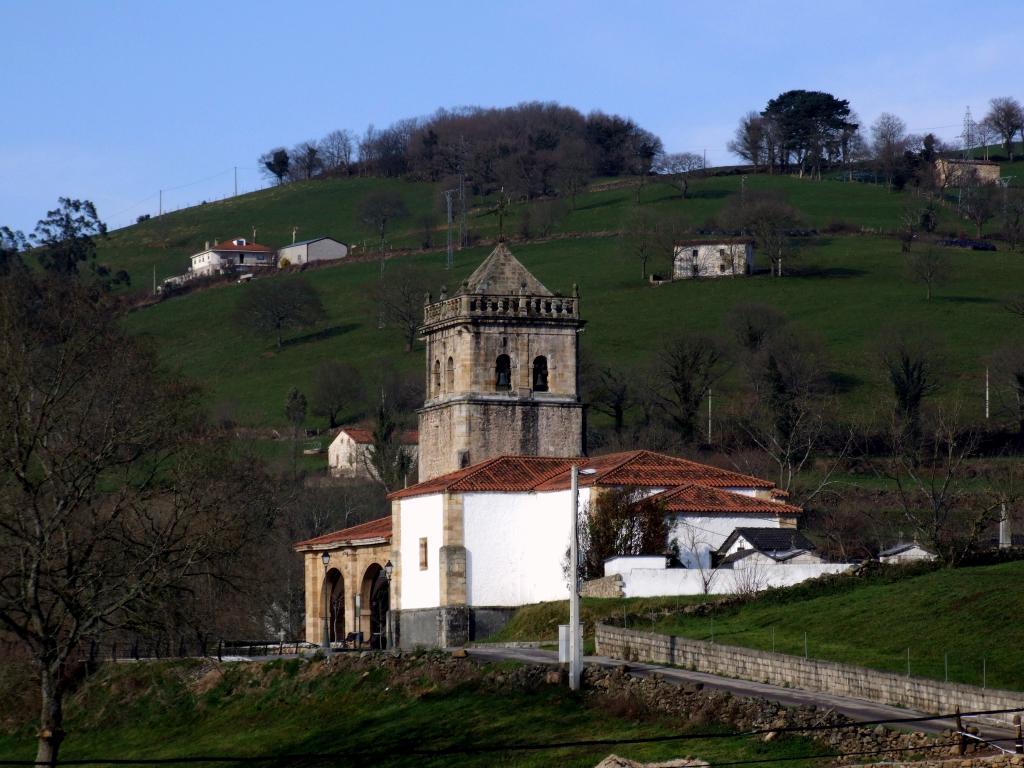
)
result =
(847, 288)
(366, 705)
(969, 615)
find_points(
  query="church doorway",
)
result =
(335, 613)
(376, 602)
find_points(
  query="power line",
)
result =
(577, 744)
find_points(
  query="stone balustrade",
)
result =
(482, 306)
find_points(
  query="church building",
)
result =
(486, 529)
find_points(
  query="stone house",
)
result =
(308, 251)
(238, 255)
(721, 257)
(348, 453)
(952, 172)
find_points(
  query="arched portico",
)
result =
(338, 566)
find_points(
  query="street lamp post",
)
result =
(325, 642)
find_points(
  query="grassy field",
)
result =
(298, 707)
(970, 616)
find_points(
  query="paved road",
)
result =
(855, 709)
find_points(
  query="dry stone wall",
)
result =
(931, 696)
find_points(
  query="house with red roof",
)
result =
(238, 255)
(348, 454)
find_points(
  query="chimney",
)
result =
(207, 245)
(1005, 535)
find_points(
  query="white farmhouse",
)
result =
(308, 251)
(724, 257)
(348, 454)
(766, 546)
(907, 552)
(238, 255)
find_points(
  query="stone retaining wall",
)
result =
(931, 696)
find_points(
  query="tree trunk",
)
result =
(51, 718)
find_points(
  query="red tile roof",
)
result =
(364, 435)
(229, 245)
(364, 533)
(512, 474)
(698, 498)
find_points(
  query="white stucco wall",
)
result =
(420, 517)
(712, 260)
(626, 563)
(697, 536)
(516, 545)
(642, 582)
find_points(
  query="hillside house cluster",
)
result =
(242, 257)
(487, 527)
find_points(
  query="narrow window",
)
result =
(423, 554)
(449, 375)
(540, 374)
(503, 373)
(437, 377)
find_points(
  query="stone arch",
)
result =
(375, 601)
(436, 384)
(539, 379)
(449, 375)
(334, 605)
(503, 373)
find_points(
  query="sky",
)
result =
(115, 101)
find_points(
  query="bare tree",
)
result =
(1006, 118)
(888, 143)
(753, 325)
(609, 390)
(398, 299)
(690, 365)
(1008, 376)
(337, 387)
(574, 169)
(642, 238)
(108, 501)
(978, 201)
(379, 209)
(269, 307)
(750, 140)
(388, 460)
(929, 267)
(335, 150)
(694, 546)
(678, 168)
(306, 160)
(768, 219)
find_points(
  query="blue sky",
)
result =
(113, 101)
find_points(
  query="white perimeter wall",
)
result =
(515, 546)
(420, 517)
(650, 582)
(699, 535)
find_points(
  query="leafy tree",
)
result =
(337, 388)
(623, 521)
(272, 305)
(276, 164)
(113, 499)
(66, 239)
(12, 245)
(811, 126)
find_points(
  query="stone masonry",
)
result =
(926, 695)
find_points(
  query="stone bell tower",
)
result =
(501, 370)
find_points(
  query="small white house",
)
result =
(307, 251)
(722, 257)
(905, 553)
(348, 454)
(766, 546)
(238, 255)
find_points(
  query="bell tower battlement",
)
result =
(501, 367)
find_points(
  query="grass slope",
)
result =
(157, 711)
(971, 614)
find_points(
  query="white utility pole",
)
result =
(154, 279)
(575, 633)
(161, 213)
(236, 181)
(986, 394)
(709, 415)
